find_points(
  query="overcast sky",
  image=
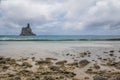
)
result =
(61, 17)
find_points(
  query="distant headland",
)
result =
(27, 31)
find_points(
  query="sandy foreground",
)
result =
(65, 60)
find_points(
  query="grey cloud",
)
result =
(67, 16)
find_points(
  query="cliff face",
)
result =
(27, 31)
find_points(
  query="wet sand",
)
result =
(60, 60)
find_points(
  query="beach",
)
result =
(59, 39)
(59, 60)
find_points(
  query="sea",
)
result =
(55, 45)
(58, 37)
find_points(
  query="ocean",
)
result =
(58, 37)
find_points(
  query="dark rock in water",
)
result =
(96, 66)
(12, 73)
(83, 63)
(99, 78)
(54, 68)
(48, 78)
(43, 62)
(26, 64)
(49, 59)
(89, 71)
(111, 54)
(68, 74)
(1, 58)
(25, 72)
(61, 62)
(17, 78)
(117, 77)
(73, 64)
(112, 51)
(27, 31)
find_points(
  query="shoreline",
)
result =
(70, 40)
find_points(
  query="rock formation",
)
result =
(27, 31)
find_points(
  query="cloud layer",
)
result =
(60, 17)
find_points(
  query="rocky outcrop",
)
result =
(27, 31)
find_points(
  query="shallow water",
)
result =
(59, 37)
(52, 48)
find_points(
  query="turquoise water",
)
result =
(59, 38)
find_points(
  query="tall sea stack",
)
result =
(27, 31)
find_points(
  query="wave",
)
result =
(60, 38)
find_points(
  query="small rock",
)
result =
(75, 79)
(68, 74)
(96, 66)
(87, 78)
(67, 54)
(19, 63)
(105, 59)
(100, 58)
(5, 67)
(26, 64)
(105, 52)
(3, 61)
(33, 58)
(25, 72)
(89, 71)
(99, 78)
(45, 62)
(83, 63)
(117, 65)
(49, 59)
(17, 78)
(117, 77)
(54, 68)
(83, 54)
(61, 62)
(1, 68)
(48, 78)
(73, 64)
(112, 51)
(11, 73)
(111, 55)
(1, 58)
